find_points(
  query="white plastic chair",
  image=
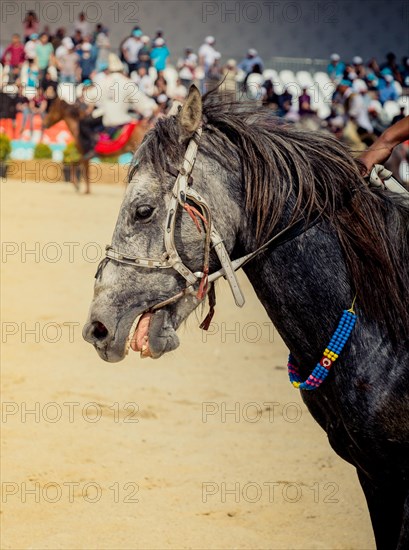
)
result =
(10, 89)
(29, 92)
(404, 102)
(304, 79)
(325, 83)
(287, 76)
(398, 87)
(254, 86)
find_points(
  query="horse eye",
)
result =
(144, 212)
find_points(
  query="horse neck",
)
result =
(303, 285)
(73, 125)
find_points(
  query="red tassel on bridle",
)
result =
(204, 325)
(193, 213)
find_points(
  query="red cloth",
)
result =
(13, 55)
(105, 147)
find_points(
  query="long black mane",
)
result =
(293, 172)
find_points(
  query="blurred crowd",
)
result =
(368, 97)
(355, 100)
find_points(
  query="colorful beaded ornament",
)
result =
(331, 353)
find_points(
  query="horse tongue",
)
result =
(140, 341)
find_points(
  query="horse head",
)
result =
(139, 275)
(218, 180)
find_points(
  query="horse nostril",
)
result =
(99, 331)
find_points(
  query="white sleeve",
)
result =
(139, 101)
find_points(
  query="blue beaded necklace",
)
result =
(331, 353)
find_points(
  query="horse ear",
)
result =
(190, 116)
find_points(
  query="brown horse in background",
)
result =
(71, 114)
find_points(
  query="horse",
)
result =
(293, 209)
(71, 114)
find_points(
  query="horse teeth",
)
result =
(144, 348)
(127, 346)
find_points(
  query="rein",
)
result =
(200, 214)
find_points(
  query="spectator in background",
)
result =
(335, 67)
(358, 107)
(144, 81)
(87, 59)
(161, 86)
(187, 67)
(77, 38)
(270, 99)
(304, 103)
(228, 86)
(103, 46)
(358, 67)
(404, 71)
(49, 85)
(30, 47)
(31, 25)
(162, 105)
(400, 116)
(44, 53)
(373, 67)
(38, 106)
(388, 91)
(131, 48)
(374, 118)
(391, 64)
(65, 46)
(285, 102)
(14, 57)
(335, 122)
(82, 25)
(32, 74)
(68, 64)
(253, 83)
(208, 54)
(99, 27)
(372, 82)
(180, 92)
(159, 33)
(252, 59)
(22, 106)
(159, 54)
(58, 37)
(350, 74)
(144, 55)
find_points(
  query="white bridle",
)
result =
(181, 193)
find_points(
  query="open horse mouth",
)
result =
(138, 337)
(152, 334)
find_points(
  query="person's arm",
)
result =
(382, 148)
(4, 58)
(43, 106)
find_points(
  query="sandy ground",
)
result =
(144, 454)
